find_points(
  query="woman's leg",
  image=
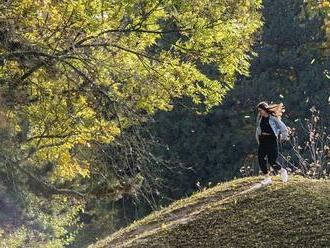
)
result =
(272, 154)
(262, 152)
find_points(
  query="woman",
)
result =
(270, 130)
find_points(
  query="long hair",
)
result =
(275, 109)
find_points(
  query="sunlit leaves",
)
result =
(87, 69)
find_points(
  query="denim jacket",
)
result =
(279, 128)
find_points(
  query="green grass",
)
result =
(296, 214)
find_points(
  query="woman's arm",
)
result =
(284, 130)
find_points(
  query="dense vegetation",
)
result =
(109, 110)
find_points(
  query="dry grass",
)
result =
(296, 214)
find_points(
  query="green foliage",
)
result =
(79, 72)
(41, 222)
(15, 239)
(319, 5)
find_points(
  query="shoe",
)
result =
(284, 175)
(266, 181)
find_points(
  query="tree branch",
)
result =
(52, 189)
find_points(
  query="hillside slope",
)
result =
(238, 213)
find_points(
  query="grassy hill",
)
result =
(237, 213)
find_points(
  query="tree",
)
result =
(75, 75)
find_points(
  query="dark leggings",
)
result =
(268, 146)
